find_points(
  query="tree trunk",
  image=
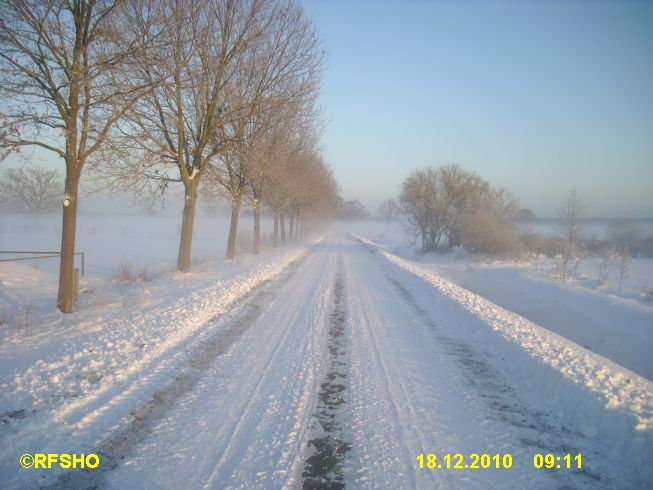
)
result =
(257, 227)
(275, 236)
(292, 222)
(282, 222)
(299, 231)
(233, 228)
(65, 297)
(183, 260)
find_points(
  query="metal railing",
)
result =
(43, 256)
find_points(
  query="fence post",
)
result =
(75, 285)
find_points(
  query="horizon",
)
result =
(537, 98)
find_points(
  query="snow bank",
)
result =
(63, 390)
(617, 324)
(621, 388)
(602, 399)
(617, 328)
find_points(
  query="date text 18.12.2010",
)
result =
(464, 461)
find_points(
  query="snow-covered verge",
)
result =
(66, 379)
(617, 324)
(599, 398)
(613, 326)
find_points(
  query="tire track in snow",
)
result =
(498, 395)
(383, 366)
(244, 424)
(606, 406)
(379, 372)
(232, 454)
(323, 468)
(535, 430)
(228, 328)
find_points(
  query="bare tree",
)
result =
(298, 182)
(605, 258)
(423, 204)
(268, 155)
(276, 80)
(571, 216)
(389, 209)
(31, 189)
(352, 210)
(7, 131)
(624, 264)
(449, 206)
(313, 190)
(263, 154)
(223, 60)
(167, 135)
(170, 133)
(277, 193)
(63, 87)
(281, 178)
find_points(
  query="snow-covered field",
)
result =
(109, 240)
(337, 361)
(596, 228)
(115, 247)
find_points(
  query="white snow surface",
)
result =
(77, 376)
(615, 323)
(214, 380)
(621, 389)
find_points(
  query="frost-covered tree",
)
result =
(488, 227)
(277, 83)
(352, 210)
(624, 264)
(31, 189)
(423, 204)
(224, 62)
(63, 87)
(572, 213)
(525, 215)
(449, 206)
(389, 209)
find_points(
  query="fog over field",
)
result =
(325, 245)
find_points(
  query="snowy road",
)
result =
(344, 368)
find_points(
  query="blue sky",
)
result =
(539, 97)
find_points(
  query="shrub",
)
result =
(128, 273)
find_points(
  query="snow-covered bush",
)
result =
(484, 231)
(449, 206)
(17, 318)
(128, 273)
(539, 244)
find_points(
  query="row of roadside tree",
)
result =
(213, 96)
